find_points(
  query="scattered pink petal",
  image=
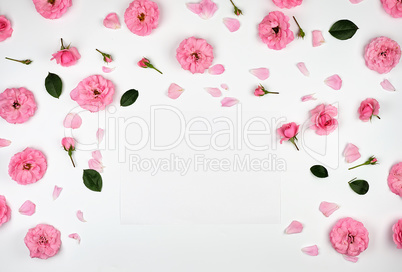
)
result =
(107, 69)
(328, 208)
(97, 155)
(99, 134)
(216, 69)
(351, 153)
(80, 216)
(112, 21)
(232, 24)
(386, 85)
(355, 1)
(294, 227)
(205, 9)
(308, 98)
(260, 73)
(229, 101)
(56, 192)
(215, 92)
(95, 165)
(28, 208)
(318, 39)
(334, 81)
(303, 69)
(310, 250)
(4, 142)
(224, 86)
(72, 120)
(352, 259)
(175, 91)
(75, 236)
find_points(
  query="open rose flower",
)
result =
(323, 119)
(66, 56)
(28, 166)
(368, 108)
(17, 105)
(393, 7)
(141, 17)
(5, 211)
(93, 93)
(5, 28)
(349, 237)
(395, 179)
(382, 54)
(195, 55)
(274, 30)
(52, 9)
(288, 132)
(287, 3)
(397, 236)
(43, 241)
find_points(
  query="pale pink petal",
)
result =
(72, 120)
(334, 81)
(194, 7)
(386, 85)
(224, 86)
(294, 227)
(28, 208)
(232, 24)
(205, 9)
(216, 69)
(351, 153)
(107, 69)
(95, 165)
(308, 98)
(4, 142)
(175, 91)
(355, 1)
(310, 250)
(97, 155)
(75, 236)
(352, 259)
(99, 134)
(215, 92)
(260, 73)
(318, 39)
(229, 101)
(328, 208)
(56, 192)
(303, 69)
(80, 216)
(112, 21)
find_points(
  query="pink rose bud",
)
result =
(106, 57)
(368, 108)
(67, 56)
(145, 63)
(69, 145)
(371, 161)
(288, 132)
(261, 91)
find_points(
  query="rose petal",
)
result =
(75, 236)
(107, 69)
(334, 81)
(56, 192)
(328, 208)
(224, 86)
(216, 69)
(303, 69)
(80, 216)
(355, 1)
(4, 142)
(310, 250)
(318, 39)
(99, 135)
(95, 165)
(72, 120)
(215, 92)
(232, 24)
(260, 73)
(294, 227)
(308, 98)
(205, 9)
(28, 208)
(175, 91)
(351, 153)
(97, 155)
(352, 259)
(386, 85)
(229, 101)
(112, 21)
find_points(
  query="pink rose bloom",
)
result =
(141, 17)
(349, 237)
(68, 143)
(368, 108)
(323, 119)
(393, 7)
(195, 55)
(397, 230)
(288, 131)
(395, 179)
(274, 30)
(5, 211)
(5, 28)
(287, 3)
(17, 105)
(93, 93)
(43, 241)
(382, 54)
(28, 166)
(52, 9)
(66, 57)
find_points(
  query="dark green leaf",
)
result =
(53, 85)
(128, 98)
(359, 186)
(319, 171)
(343, 29)
(93, 180)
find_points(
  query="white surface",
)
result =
(107, 245)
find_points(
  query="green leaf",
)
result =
(92, 180)
(319, 171)
(343, 29)
(128, 98)
(359, 186)
(53, 85)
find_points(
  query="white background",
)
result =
(107, 245)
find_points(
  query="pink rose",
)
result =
(68, 143)
(349, 237)
(141, 17)
(5, 28)
(93, 93)
(368, 108)
(195, 55)
(66, 57)
(274, 30)
(52, 9)
(143, 63)
(287, 3)
(323, 119)
(288, 131)
(28, 166)
(43, 241)
(397, 230)
(395, 179)
(393, 7)
(17, 105)
(5, 211)
(259, 91)
(382, 54)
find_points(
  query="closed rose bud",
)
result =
(259, 91)
(68, 144)
(143, 63)
(288, 132)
